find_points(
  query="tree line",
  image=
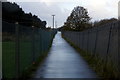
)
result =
(79, 20)
(11, 12)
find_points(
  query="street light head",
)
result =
(53, 15)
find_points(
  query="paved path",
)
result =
(63, 62)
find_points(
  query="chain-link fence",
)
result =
(99, 41)
(22, 46)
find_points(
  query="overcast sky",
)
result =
(98, 9)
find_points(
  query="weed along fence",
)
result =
(22, 46)
(101, 43)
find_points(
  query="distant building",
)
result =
(119, 10)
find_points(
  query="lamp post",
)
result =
(56, 24)
(53, 20)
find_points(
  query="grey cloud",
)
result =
(45, 11)
(97, 9)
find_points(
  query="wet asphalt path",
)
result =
(63, 62)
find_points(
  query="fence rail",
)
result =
(102, 41)
(22, 46)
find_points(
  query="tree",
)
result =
(78, 19)
(13, 13)
(44, 23)
(104, 21)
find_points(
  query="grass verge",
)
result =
(104, 70)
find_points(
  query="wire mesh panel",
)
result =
(22, 46)
(37, 44)
(25, 48)
(8, 50)
(102, 42)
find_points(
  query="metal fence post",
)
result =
(40, 41)
(108, 46)
(95, 43)
(87, 41)
(82, 40)
(1, 41)
(118, 45)
(17, 50)
(33, 47)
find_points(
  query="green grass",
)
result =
(29, 73)
(8, 59)
(26, 58)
